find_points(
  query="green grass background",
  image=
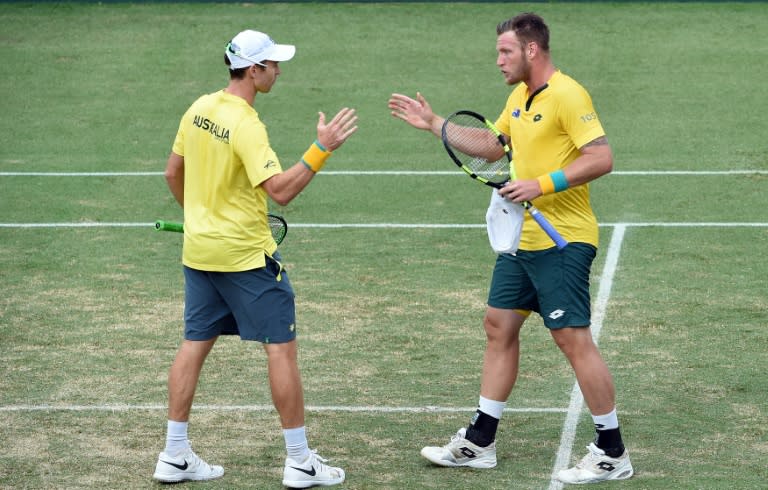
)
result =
(91, 317)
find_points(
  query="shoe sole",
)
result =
(626, 474)
(480, 464)
(178, 479)
(308, 484)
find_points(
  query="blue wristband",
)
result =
(558, 178)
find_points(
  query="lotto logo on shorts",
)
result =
(556, 314)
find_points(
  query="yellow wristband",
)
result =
(553, 182)
(547, 184)
(315, 157)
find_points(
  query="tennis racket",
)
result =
(479, 149)
(277, 226)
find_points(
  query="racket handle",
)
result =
(548, 228)
(161, 225)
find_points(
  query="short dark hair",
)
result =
(236, 73)
(528, 27)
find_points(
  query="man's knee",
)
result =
(503, 325)
(282, 351)
(573, 340)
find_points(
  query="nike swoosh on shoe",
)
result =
(181, 467)
(311, 471)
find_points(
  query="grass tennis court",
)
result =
(390, 269)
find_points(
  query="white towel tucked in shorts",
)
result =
(504, 221)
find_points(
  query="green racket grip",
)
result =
(161, 225)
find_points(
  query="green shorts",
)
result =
(256, 305)
(554, 283)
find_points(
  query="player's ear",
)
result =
(255, 70)
(531, 48)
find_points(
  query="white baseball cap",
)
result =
(253, 48)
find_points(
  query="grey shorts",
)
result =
(256, 305)
(552, 282)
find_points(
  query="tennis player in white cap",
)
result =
(222, 170)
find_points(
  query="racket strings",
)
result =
(497, 171)
(278, 228)
(473, 143)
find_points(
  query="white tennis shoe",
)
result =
(185, 466)
(310, 473)
(461, 452)
(596, 466)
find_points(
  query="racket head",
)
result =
(278, 226)
(477, 147)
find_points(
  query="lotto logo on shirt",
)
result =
(218, 132)
(516, 113)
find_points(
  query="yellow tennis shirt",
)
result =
(226, 157)
(546, 130)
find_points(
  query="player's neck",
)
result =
(540, 75)
(243, 89)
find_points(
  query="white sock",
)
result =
(296, 444)
(176, 439)
(491, 407)
(607, 421)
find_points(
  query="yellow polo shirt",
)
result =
(226, 157)
(546, 132)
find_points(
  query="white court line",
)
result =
(291, 225)
(391, 225)
(264, 408)
(81, 174)
(387, 172)
(77, 225)
(703, 224)
(571, 422)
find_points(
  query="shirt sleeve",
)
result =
(252, 146)
(178, 142)
(579, 118)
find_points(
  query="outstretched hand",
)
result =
(416, 112)
(333, 134)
